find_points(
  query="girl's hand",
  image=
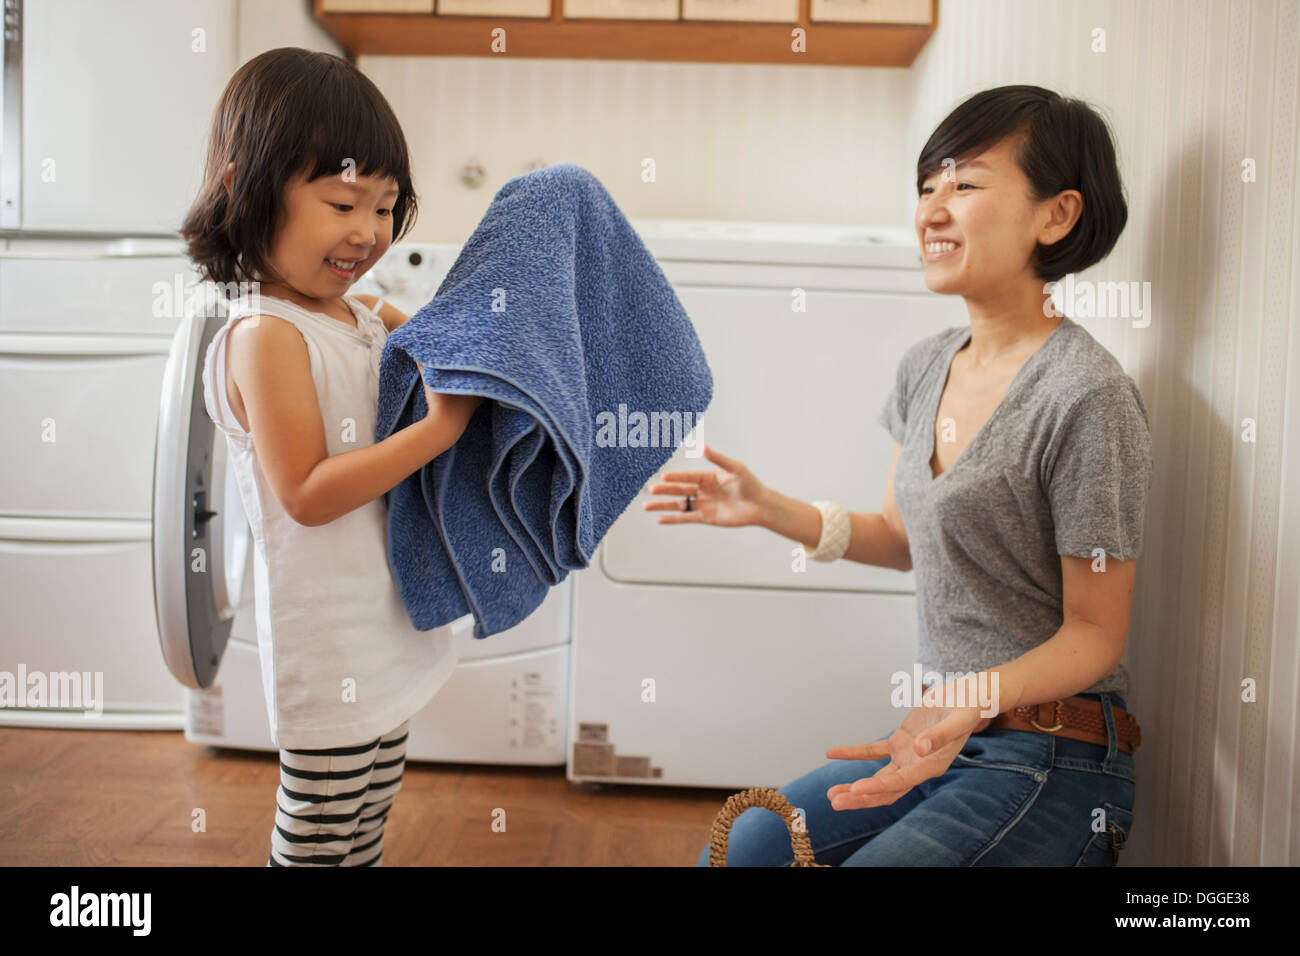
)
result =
(923, 746)
(450, 403)
(430, 397)
(730, 498)
(445, 403)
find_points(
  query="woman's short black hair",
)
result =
(287, 112)
(1061, 143)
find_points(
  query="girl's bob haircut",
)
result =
(284, 113)
(1061, 143)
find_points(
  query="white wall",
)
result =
(269, 24)
(729, 142)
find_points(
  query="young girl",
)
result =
(307, 184)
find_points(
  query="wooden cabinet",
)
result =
(754, 11)
(621, 9)
(871, 11)
(791, 32)
(374, 6)
(494, 8)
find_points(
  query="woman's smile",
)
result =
(941, 250)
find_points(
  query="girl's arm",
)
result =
(268, 359)
(390, 316)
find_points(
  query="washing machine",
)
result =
(716, 657)
(505, 701)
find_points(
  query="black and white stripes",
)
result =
(331, 804)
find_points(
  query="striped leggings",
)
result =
(331, 804)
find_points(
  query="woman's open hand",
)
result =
(730, 498)
(923, 746)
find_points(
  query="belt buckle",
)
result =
(1056, 716)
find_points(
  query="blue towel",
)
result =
(557, 313)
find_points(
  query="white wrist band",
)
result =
(836, 532)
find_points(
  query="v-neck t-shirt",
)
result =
(1061, 467)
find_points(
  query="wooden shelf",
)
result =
(827, 44)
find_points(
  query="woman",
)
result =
(1020, 470)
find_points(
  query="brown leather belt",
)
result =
(1078, 718)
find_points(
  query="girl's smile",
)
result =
(342, 274)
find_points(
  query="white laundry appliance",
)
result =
(708, 656)
(504, 704)
(680, 648)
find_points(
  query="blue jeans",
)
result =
(1010, 798)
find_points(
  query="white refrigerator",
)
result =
(105, 113)
(125, 564)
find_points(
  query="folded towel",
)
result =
(557, 313)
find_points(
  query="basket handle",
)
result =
(769, 799)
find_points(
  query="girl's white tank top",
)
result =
(341, 662)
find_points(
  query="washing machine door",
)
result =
(201, 537)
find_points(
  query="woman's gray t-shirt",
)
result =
(1061, 467)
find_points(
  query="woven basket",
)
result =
(769, 799)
